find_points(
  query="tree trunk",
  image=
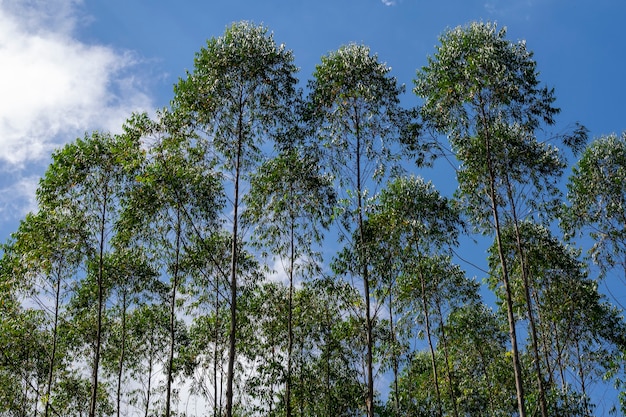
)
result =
(433, 359)
(217, 410)
(444, 342)
(290, 317)
(100, 285)
(232, 348)
(57, 297)
(120, 369)
(529, 305)
(517, 368)
(172, 329)
(369, 401)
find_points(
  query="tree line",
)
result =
(142, 284)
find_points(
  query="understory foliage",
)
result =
(257, 251)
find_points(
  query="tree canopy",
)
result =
(261, 249)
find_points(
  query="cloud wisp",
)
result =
(54, 87)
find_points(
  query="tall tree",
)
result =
(483, 92)
(597, 196)
(579, 331)
(417, 225)
(45, 244)
(355, 111)
(288, 202)
(177, 203)
(239, 94)
(86, 181)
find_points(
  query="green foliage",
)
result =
(597, 197)
(125, 287)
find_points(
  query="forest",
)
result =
(268, 246)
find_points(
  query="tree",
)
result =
(45, 245)
(177, 203)
(483, 92)
(597, 196)
(478, 353)
(416, 226)
(133, 280)
(288, 202)
(328, 349)
(23, 348)
(580, 333)
(240, 93)
(355, 112)
(86, 182)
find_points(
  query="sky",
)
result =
(73, 66)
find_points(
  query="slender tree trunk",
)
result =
(581, 374)
(517, 368)
(328, 350)
(433, 359)
(149, 382)
(172, 324)
(217, 411)
(120, 368)
(529, 305)
(369, 402)
(394, 360)
(100, 285)
(57, 297)
(290, 316)
(444, 342)
(233, 273)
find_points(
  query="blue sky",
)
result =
(71, 66)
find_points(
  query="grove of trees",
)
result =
(263, 249)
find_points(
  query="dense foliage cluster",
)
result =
(257, 251)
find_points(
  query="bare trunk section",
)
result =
(100, 285)
(217, 406)
(290, 314)
(369, 401)
(517, 368)
(433, 359)
(172, 329)
(232, 348)
(446, 355)
(57, 296)
(120, 369)
(529, 305)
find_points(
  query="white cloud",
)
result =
(389, 2)
(54, 87)
(519, 9)
(18, 197)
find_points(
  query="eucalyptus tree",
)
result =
(580, 333)
(289, 202)
(177, 202)
(240, 94)
(45, 245)
(148, 338)
(133, 279)
(478, 353)
(23, 340)
(597, 196)
(417, 225)
(328, 349)
(355, 112)
(483, 92)
(208, 259)
(86, 182)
